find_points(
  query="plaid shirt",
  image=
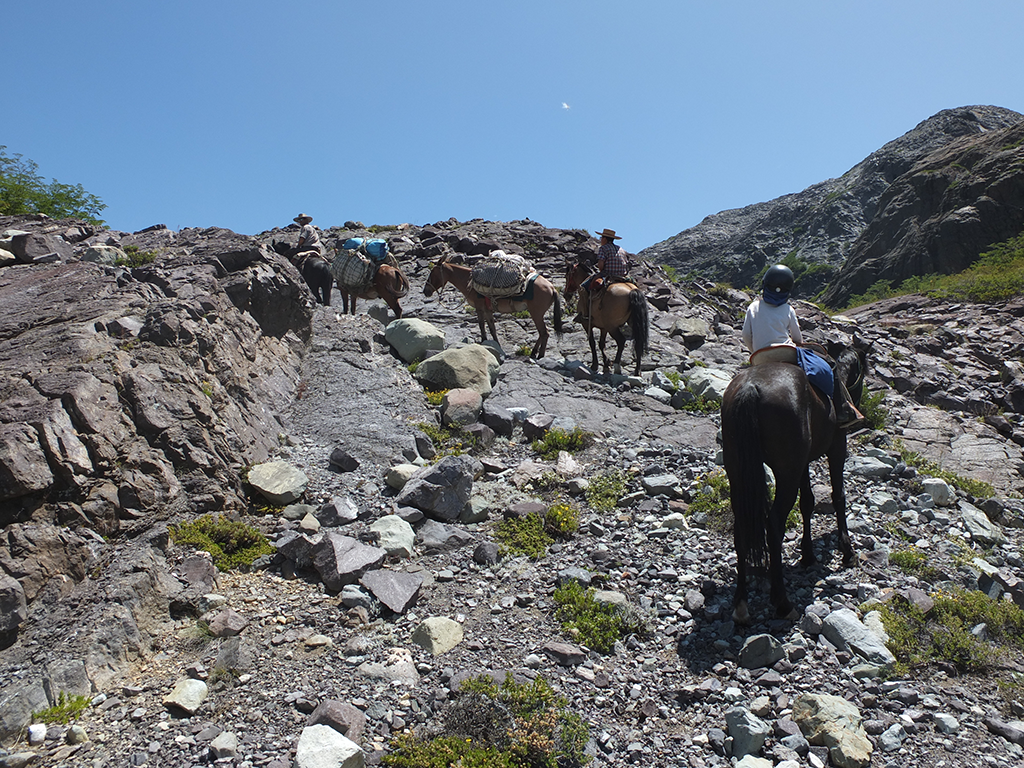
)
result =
(616, 263)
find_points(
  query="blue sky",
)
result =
(644, 117)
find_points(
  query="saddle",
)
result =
(299, 259)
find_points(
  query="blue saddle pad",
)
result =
(817, 369)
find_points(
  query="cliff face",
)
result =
(822, 224)
(940, 215)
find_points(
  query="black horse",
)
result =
(772, 415)
(314, 269)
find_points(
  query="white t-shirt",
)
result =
(766, 325)
(310, 238)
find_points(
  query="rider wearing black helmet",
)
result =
(771, 333)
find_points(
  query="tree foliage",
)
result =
(23, 190)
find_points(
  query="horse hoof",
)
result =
(740, 614)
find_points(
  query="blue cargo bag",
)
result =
(375, 249)
(817, 369)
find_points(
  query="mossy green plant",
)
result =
(914, 562)
(511, 725)
(133, 257)
(67, 708)
(712, 502)
(945, 632)
(977, 488)
(435, 396)
(232, 543)
(524, 535)
(556, 440)
(597, 625)
(605, 489)
(562, 520)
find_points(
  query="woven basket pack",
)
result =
(500, 274)
(352, 270)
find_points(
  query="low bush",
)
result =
(967, 629)
(68, 707)
(232, 543)
(597, 625)
(556, 440)
(512, 725)
(605, 490)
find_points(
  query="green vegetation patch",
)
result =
(977, 488)
(448, 439)
(952, 631)
(133, 257)
(435, 397)
(914, 562)
(512, 725)
(532, 534)
(68, 707)
(997, 276)
(875, 414)
(595, 624)
(605, 489)
(711, 501)
(556, 440)
(23, 190)
(232, 543)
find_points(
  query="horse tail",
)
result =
(639, 323)
(557, 316)
(749, 494)
(401, 284)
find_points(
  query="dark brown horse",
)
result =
(389, 283)
(772, 415)
(543, 296)
(616, 305)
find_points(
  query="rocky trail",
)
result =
(187, 666)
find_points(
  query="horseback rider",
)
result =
(309, 238)
(772, 333)
(612, 266)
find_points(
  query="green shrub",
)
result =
(997, 276)
(596, 625)
(875, 414)
(435, 397)
(448, 439)
(512, 725)
(562, 520)
(914, 562)
(524, 535)
(605, 489)
(68, 707)
(712, 501)
(23, 190)
(556, 440)
(944, 633)
(133, 257)
(232, 543)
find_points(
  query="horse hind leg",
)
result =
(785, 497)
(620, 342)
(807, 557)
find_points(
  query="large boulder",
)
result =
(442, 491)
(413, 339)
(471, 367)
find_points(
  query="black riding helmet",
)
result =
(778, 279)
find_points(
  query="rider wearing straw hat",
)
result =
(612, 265)
(309, 238)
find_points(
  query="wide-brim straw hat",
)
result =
(302, 217)
(609, 233)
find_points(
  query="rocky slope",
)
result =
(892, 201)
(138, 397)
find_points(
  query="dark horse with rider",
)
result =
(795, 403)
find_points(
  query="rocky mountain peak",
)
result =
(822, 224)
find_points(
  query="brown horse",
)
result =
(389, 283)
(772, 415)
(544, 295)
(616, 305)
